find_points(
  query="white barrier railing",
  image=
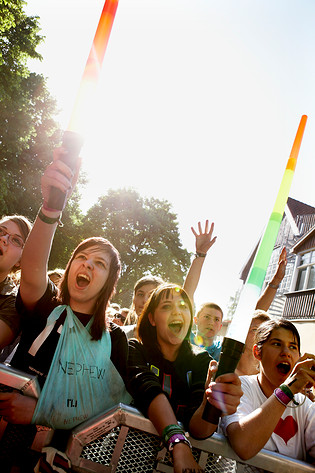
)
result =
(123, 441)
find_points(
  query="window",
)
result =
(306, 272)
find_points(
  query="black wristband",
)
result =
(49, 220)
(274, 286)
(200, 255)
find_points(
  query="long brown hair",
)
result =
(108, 290)
(145, 330)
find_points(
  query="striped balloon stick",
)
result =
(233, 343)
(82, 113)
(84, 100)
(251, 291)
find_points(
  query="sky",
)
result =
(198, 103)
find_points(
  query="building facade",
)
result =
(295, 298)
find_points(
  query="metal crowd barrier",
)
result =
(122, 440)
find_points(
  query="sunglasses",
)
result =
(15, 240)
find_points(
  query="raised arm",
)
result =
(269, 293)
(204, 241)
(38, 245)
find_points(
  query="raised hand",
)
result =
(282, 263)
(303, 374)
(59, 175)
(204, 239)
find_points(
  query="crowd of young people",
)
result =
(165, 369)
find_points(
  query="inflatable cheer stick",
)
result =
(72, 139)
(233, 344)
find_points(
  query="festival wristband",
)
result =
(287, 391)
(285, 395)
(200, 255)
(285, 388)
(178, 438)
(49, 220)
(281, 397)
(169, 431)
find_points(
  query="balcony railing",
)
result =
(300, 305)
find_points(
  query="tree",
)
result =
(145, 232)
(27, 130)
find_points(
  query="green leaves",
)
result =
(27, 127)
(145, 232)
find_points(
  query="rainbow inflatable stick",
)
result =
(82, 110)
(92, 70)
(250, 294)
(233, 343)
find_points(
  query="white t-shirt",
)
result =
(294, 435)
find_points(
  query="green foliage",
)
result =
(27, 130)
(145, 232)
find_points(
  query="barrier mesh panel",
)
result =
(138, 454)
(101, 449)
(219, 464)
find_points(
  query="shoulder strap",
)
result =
(53, 317)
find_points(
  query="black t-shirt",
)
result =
(8, 313)
(33, 323)
(182, 381)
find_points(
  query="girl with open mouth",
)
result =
(79, 358)
(274, 413)
(167, 376)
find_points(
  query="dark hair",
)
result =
(145, 330)
(56, 273)
(264, 331)
(147, 280)
(108, 290)
(132, 316)
(261, 315)
(22, 222)
(209, 305)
